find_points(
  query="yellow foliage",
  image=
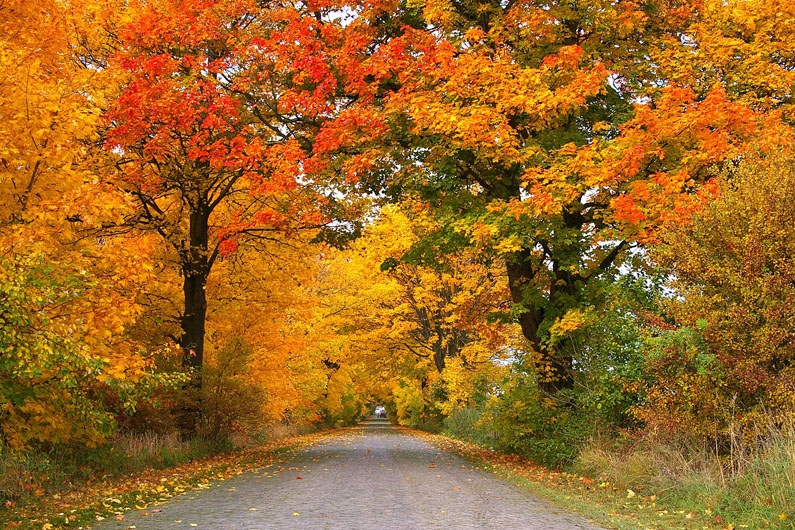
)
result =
(573, 320)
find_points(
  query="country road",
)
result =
(371, 477)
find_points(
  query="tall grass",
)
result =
(753, 483)
(36, 471)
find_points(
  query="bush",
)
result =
(63, 381)
(231, 402)
(35, 471)
(46, 376)
(465, 424)
(734, 276)
(607, 342)
(535, 425)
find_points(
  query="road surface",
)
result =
(371, 477)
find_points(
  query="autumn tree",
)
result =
(211, 134)
(413, 329)
(262, 302)
(554, 136)
(68, 301)
(729, 362)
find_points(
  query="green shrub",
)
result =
(534, 425)
(465, 424)
(608, 349)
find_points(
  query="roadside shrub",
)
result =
(733, 361)
(535, 425)
(35, 471)
(685, 399)
(607, 342)
(46, 376)
(231, 402)
(466, 424)
(61, 381)
(752, 487)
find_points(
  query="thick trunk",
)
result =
(438, 359)
(195, 270)
(554, 368)
(195, 313)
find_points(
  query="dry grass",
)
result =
(752, 483)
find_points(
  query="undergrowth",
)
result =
(751, 485)
(39, 471)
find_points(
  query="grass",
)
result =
(600, 502)
(464, 424)
(38, 472)
(749, 488)
(70, 488)
(644, 483)
(34, 473)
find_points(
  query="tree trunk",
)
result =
(193, 320)
(554, 368)
(439, 359)
(195, 270)
(195, 264)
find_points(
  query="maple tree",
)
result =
(69, 300)
(42, 95)
(263, 300)
(412, 330)
(209, 138)
(544, 134)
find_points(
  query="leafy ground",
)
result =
(101, 499)
(600, 501)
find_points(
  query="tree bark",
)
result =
(521, 274)
(193, 320)
(195, 270)
(439, 359)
